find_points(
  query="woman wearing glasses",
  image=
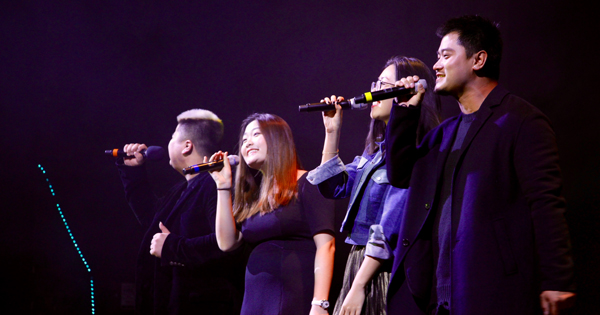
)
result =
(283, 218)
(374, 212)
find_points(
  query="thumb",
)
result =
(420, 88)
(163, 228)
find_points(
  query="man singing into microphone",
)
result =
(180, 268)
(484, 230)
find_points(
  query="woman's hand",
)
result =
(332, 119)
(356, 296)
(409, 82)
(221, 177)
(353, 302)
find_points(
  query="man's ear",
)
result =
(479, 59)
(188, 148)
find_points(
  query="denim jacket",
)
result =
(375, 207)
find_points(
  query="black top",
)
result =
(280, 271)
(442, 226)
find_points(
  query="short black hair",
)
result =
(477, 33)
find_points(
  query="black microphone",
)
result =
(361, 102)
(198, 168)
(153, 153)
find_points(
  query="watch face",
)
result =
(325, 304)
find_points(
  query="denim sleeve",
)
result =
(384, 235)
(378, 245)
(334, 179)
(326, 171)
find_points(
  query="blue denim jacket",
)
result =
(375, 207)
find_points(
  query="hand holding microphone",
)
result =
(222, 177)
(214, 165)
(402, 88)
(135, 150)
(332, 119)
(419, 87)
(135, 154)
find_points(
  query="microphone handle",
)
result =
(153, 153)
(123, 154)
(389, 93)
(315, 107)
(361, 102)
(198, 168)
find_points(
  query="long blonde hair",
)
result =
(275, 185)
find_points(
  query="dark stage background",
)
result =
(79, 77)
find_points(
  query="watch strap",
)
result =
(322, 303)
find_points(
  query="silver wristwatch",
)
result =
(324, 304)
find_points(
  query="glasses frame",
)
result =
(376, 86)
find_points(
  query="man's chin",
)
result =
(440, 90)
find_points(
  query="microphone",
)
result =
(153, 153)
(198, 168)
(361, 102)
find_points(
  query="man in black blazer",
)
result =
(484, 231)
(180, 268)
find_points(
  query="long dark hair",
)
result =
(431, 106)
(277, 186)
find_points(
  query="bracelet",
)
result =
(229, 188)
(337, 152)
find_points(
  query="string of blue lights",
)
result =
(62, 216)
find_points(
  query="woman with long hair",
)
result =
(375, 209)
(283, 218)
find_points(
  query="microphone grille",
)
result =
(155, 153)
(233, 159)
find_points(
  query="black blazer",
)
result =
(193, 275)
(509, 234)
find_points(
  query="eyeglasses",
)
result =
(376, 86)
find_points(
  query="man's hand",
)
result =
(133, 150)
(410, 82)
(158, 241)
(554, 301)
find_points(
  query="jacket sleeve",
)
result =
(538, 172)
(191, 251)
(384, 236)
(334, 179)
(138, 193)
(202, 249)
(401, 135)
